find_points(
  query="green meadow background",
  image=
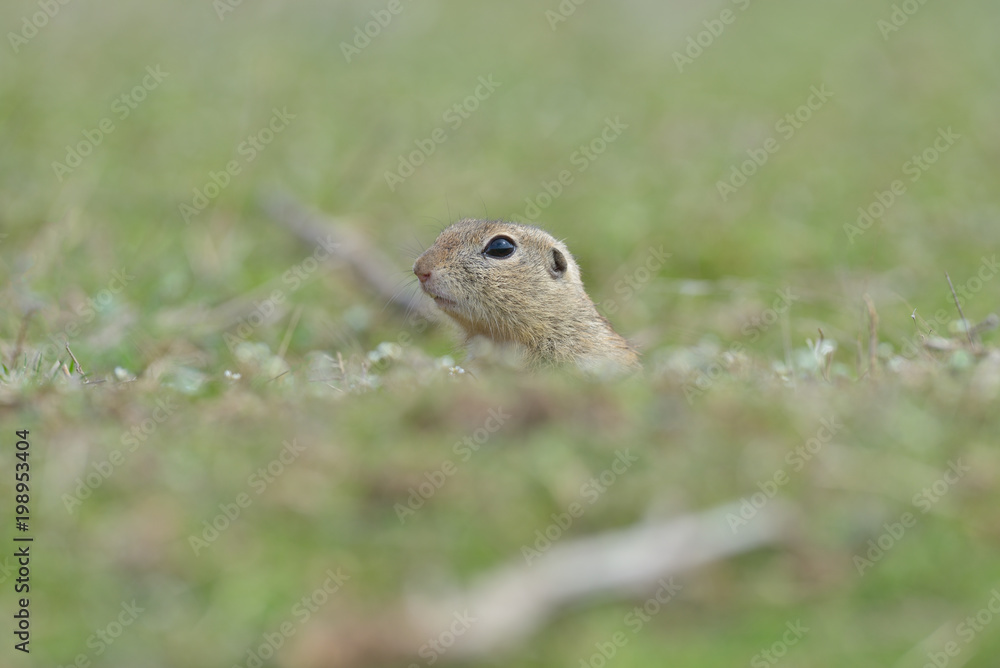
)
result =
(734, 179)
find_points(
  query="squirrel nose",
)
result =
(421, 270)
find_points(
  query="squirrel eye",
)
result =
(499, 247)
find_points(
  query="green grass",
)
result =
(168, 293)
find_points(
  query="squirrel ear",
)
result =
(557, 267)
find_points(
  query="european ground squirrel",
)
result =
(518, 287)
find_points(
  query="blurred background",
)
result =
(733, 178)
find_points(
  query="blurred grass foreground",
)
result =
(241, 450)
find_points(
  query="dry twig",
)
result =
(515, 600)
(369, 264)
(958, 306)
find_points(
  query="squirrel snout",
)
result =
(422, 272)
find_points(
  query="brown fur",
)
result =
(532, 300)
